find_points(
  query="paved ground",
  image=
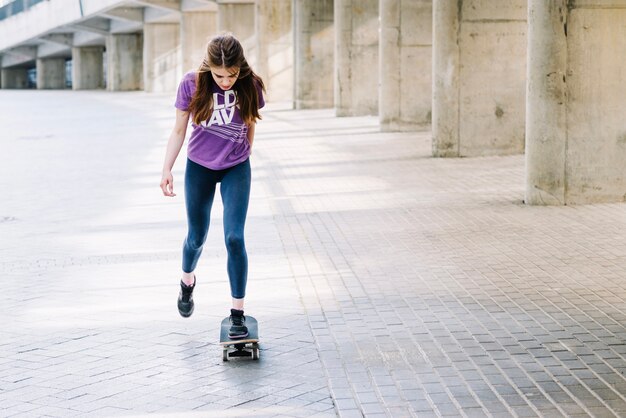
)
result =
(386, 283)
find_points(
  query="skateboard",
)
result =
(241, 347)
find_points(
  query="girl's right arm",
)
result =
(174, 144)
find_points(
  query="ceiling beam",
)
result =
(66, 39)
(198, 5)
(131, 14)
(167, 5)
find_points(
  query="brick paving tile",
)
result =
(94, 331)
(386, 282)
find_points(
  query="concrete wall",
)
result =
(238, 17)
(162, 59)
(51, 73)
(405, 64)
(196, 29)
(356, 57)
(42, 17)
(47, 16)
(274, 34)
(596, 79)
(576, 137)
(125, 62)
(314, 46)
(14, 78)
(479, 72)
(87, 68)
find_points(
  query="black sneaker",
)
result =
(238, 327)
(185, 299)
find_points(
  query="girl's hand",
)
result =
(167, 184)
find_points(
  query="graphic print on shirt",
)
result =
(221, 121)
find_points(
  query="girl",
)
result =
(222, 99)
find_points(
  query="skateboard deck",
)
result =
(240, 347)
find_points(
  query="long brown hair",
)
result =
(225, 51)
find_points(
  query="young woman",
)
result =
(222, 99)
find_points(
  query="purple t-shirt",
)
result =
(222, 141)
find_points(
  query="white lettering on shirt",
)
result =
(216, 117)
(223, 113)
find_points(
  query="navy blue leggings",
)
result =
(200, 184)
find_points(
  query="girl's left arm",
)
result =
(251, 133)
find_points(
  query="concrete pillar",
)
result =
(313, 62)
(356, 57)
(405, 64)
(238, 17)
(87, 68)
(162, 57)
(124, 62)
(275, 58)
(479, 71)
(196, 29)
(546, 126)
(576, 131)
(445, 116)
(14, 78)
(51, 73)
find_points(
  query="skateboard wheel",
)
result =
(255, 354)
(225, 355)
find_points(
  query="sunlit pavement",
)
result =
(385, 282)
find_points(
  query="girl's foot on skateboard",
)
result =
(185, 299)
(238, 327)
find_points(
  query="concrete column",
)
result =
(313, 56)
(445, 103)
(51, 73)
(576, 131)
(124, 62)
(87, 68)
(546, 90)
(196, 29)
(479, 71)
(405, 64)
(238, 17)
(162, 57)
(14, 78)
(356, 57)
(274, 48)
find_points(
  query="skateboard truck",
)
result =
(244, 347)
(241, 350)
